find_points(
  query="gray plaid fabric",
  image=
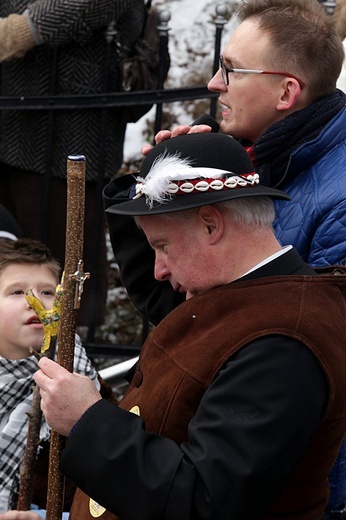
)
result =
(16, 383)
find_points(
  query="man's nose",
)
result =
(217, 84)
(161, 272)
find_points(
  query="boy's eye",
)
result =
(48, 293)
(17, 291)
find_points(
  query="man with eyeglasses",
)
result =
(277, 85)
(225, 71)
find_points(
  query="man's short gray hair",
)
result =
(256, 212)
(252, 211)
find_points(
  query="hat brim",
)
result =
(138, 207)
(202, 150)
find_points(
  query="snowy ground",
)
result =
(191, 44)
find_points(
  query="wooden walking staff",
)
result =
(74, 278)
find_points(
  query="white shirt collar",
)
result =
(269, 259)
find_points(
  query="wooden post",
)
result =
(74, 278)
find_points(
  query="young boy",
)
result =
(25, 264)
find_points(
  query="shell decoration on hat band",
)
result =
(170, 175)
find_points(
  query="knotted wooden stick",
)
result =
(29, 460)
(32, 441)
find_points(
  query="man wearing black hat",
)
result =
(277, 90)
(237, 400)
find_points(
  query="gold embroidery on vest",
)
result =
(135, 410)
(95, 509)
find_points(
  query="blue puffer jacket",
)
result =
(315, 220)
(315, 223)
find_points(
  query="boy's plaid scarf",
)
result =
(16, 384)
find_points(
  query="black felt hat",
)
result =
(187, 172)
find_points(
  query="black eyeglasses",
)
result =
(225, 71)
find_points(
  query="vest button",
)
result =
(138, 379)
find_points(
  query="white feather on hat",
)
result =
(167, 168)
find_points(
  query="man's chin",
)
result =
(227, 127)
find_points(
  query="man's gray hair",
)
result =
(256, 212)
(252, 211)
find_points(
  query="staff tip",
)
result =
(76, 158)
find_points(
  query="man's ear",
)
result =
(290, 94)
(213, 223)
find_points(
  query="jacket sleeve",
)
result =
(251, 428)
(59, 22)
(16, 37)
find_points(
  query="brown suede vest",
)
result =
(184, 353)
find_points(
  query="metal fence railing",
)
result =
(50, 104)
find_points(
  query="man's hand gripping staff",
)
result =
(65, 396)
